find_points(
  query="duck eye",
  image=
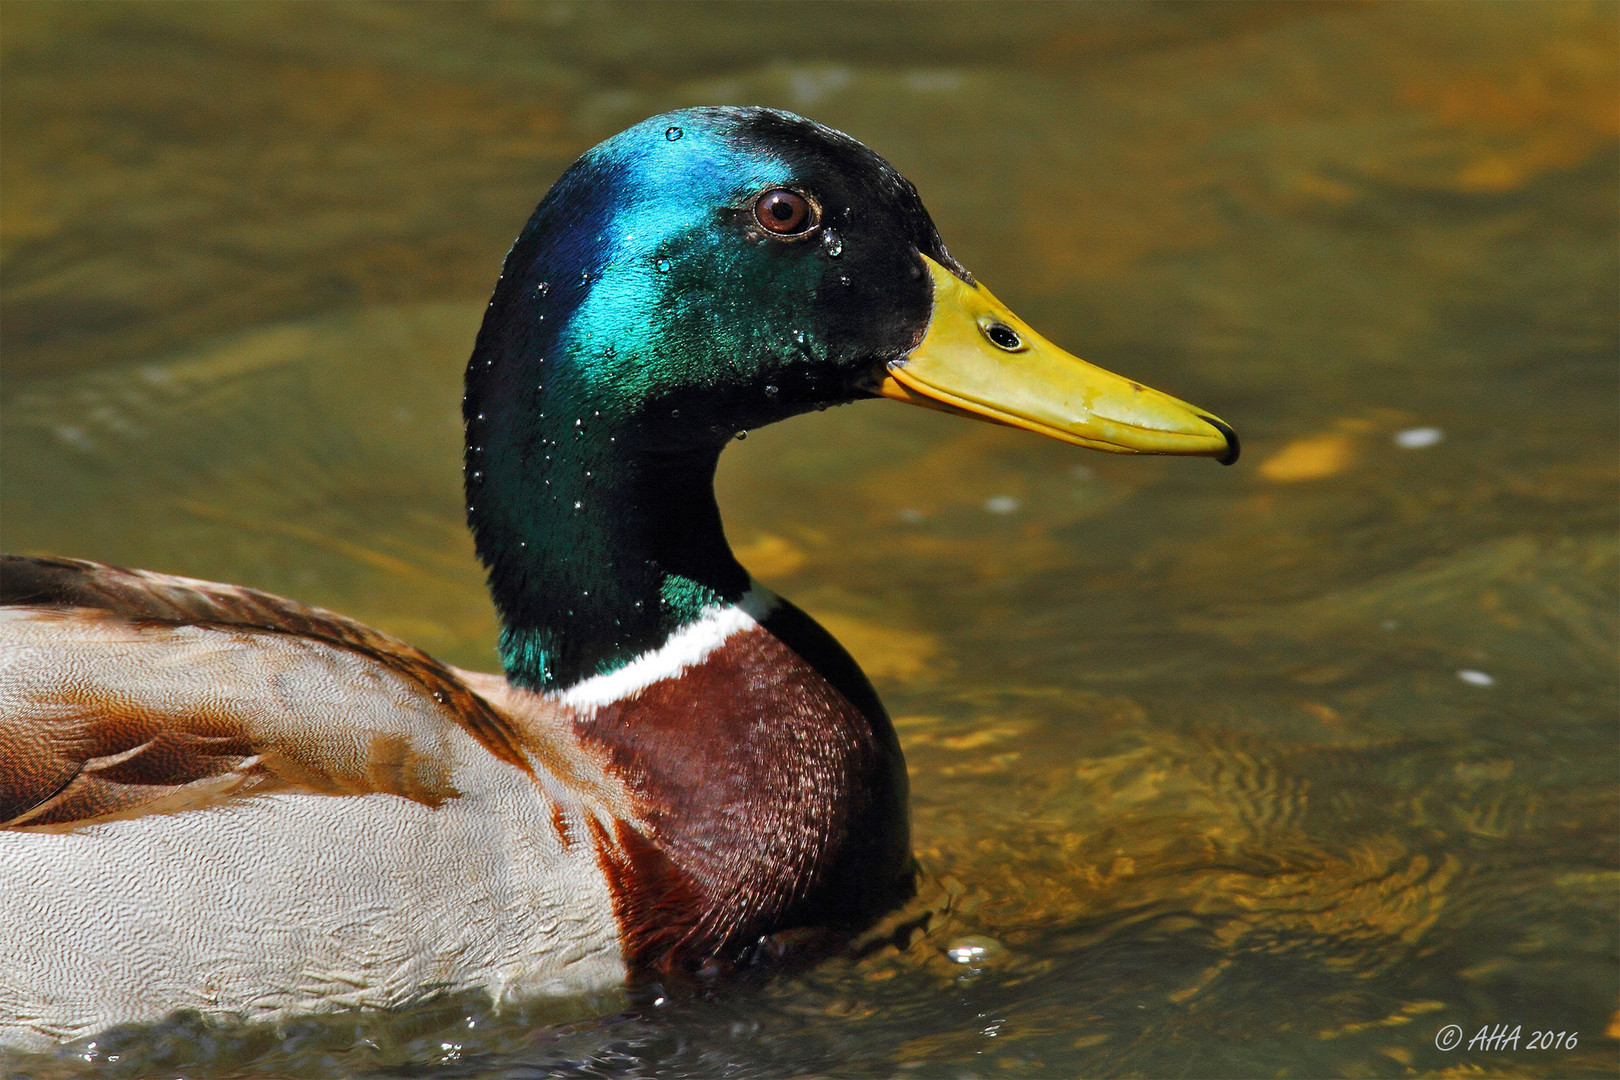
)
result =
(784, 212)
(1004, 337)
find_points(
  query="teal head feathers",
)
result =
(705, 272)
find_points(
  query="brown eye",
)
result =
(784, 212)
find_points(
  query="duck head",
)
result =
(702, 273)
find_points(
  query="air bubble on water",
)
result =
(1002, 504)
(1418, 437)
(974, 949)
(1475, 678)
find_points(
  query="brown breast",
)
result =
(771, 799)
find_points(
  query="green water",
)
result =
(1271, 770)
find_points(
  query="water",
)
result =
(1271, 770)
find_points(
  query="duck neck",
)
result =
(597, 547)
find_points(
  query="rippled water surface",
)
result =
(1271, 770)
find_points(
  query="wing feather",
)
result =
(124, 692)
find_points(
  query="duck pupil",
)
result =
(781, 211)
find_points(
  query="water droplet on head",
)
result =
(674, 412)
(673, 134)
(833, 243)
(542, 288)
(578, 505)
(662, 265)
(609, 352)
(771, 391)
(741, 435)
(843, 279)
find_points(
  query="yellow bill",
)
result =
(979, 359)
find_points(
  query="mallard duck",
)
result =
(217, 799)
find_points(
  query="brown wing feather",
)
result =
(128, 692)
(40, 581)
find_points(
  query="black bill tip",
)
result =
(1233, 448)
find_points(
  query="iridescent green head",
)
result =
(705, 272)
